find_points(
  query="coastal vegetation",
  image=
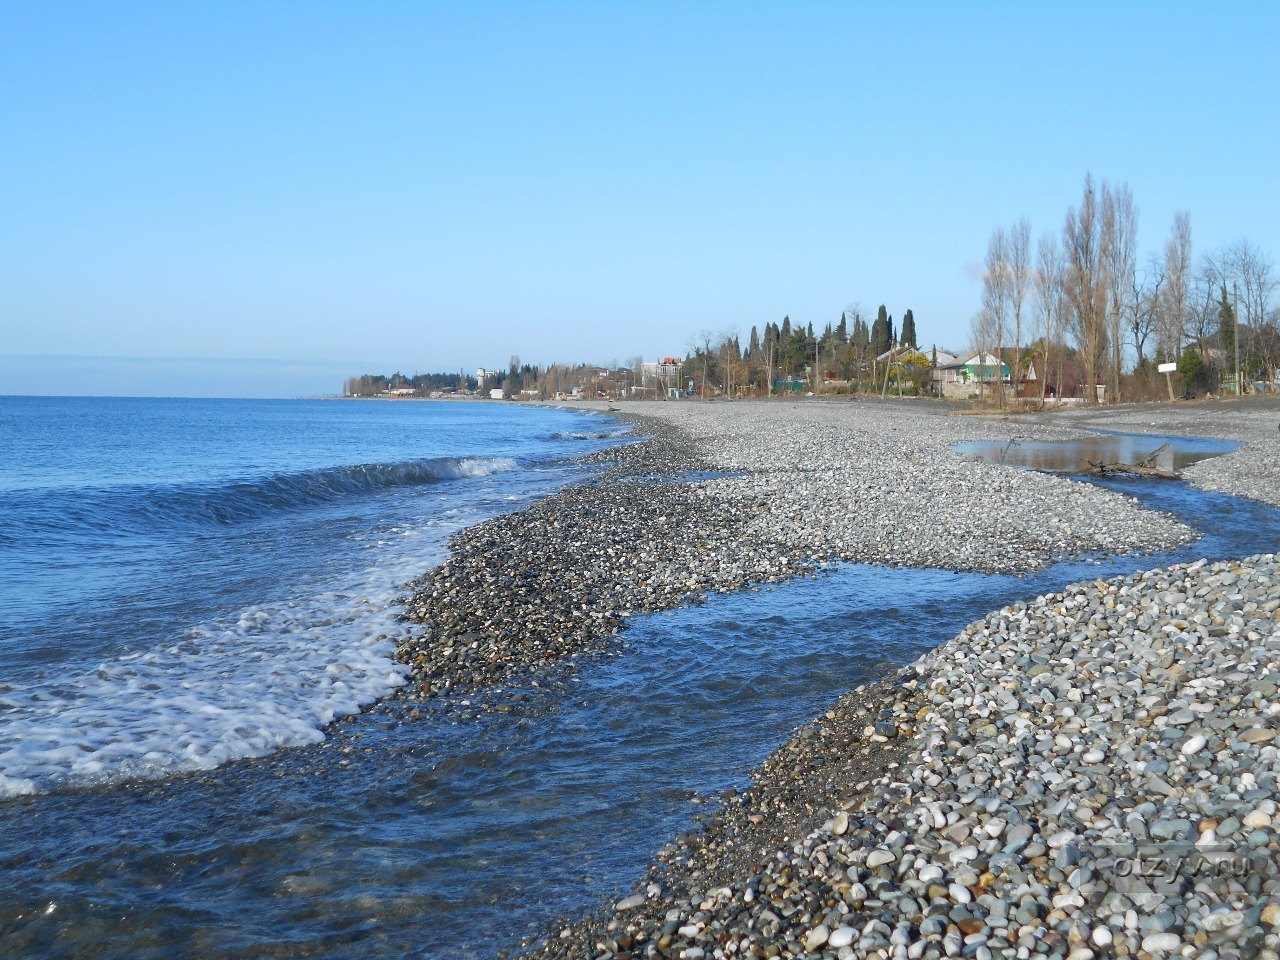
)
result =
(1102, 318)
(846, 356)
(1081, 316)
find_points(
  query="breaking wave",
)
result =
(613, 433)
(147, 509)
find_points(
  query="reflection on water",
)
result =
(1074, 456)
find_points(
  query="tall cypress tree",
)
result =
(909, 329)
(861, 335)
(842, 331)
(880, 333)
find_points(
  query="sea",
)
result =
(202, 750)
(185, 583)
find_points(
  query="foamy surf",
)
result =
(218, 582)
(604, 433)
(266, 678)
(273, 678)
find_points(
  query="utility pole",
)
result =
(1235, 317)
(817, 383)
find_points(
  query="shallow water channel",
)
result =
(1074, 456)
(456, 835)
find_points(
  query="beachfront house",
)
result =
(660, 378)
(945, 367)
(970, 375)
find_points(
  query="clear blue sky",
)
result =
(258, 198)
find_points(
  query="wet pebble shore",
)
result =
(559, 579)
(809, 484)
(1090, 774)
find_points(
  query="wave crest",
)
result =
(151, 508)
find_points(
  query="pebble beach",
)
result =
(725, 496)
(1088, 774)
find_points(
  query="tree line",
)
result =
(1086, 300)
(839, 358)
(1083, 309)
(842, 357)
(529, 380)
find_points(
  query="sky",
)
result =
(262, 198)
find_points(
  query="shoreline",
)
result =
(708, 889)
(1001, 796)
(561, 577)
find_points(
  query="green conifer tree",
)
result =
(861, 335)
(1226, 324)
(881, 334)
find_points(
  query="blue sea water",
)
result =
(222, 590)
(188, 582)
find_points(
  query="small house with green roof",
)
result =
(970, 374)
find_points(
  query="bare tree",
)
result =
(1085, 285)
(856, 350)
(1253, 274)
(701, 344)
(1256, 276)
(1202, 310)
(635, 365)
(1144, 306)
(1267, 345)
(1119, 258)
(1018, 252)
(1177, 282)
(1049, 295)
(995, 299)
(982, 328)
(730, 354)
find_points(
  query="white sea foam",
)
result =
(603, 433)
(264, 678)
(483, 467)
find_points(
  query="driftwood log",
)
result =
(1146, 467)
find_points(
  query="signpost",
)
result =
(1166, 369)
